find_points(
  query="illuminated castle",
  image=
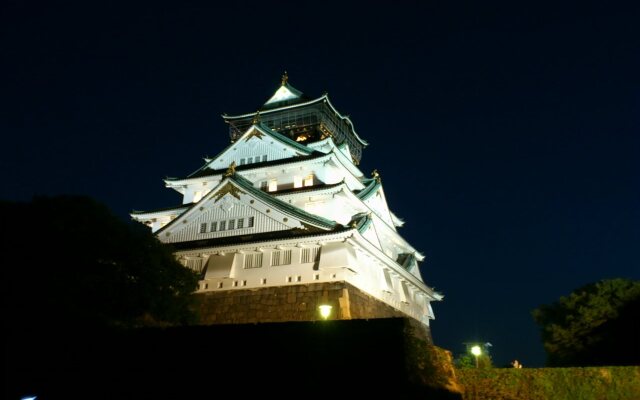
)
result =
(283, 221)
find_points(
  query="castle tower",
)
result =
(283, 221)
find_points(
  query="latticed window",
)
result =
(309, 254)
(203, 228)
(232, 224)
(253, 260)
(241, 223)
(214, 226)
(223, 225)
(250, 224)
(281, 257)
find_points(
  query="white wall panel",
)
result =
(191, 229)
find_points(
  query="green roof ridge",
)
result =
(361, 221)
(373, 186)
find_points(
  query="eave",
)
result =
(298, 147)
(323, 98)
(158, 213)
(252, 239)
(408, 276)
(207, 172)
(244, 184)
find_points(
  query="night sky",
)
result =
(506, 136)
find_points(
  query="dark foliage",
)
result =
(591, 383)
(74, 265)
(595, 325)
(293, 360)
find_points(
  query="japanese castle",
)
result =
(282, 223)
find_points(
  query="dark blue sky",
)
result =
(507, 136)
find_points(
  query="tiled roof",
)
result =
(284, 206)
(181, 206)
(256, 238)
(208, 171)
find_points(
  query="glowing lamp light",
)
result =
(476, 351)
(325, 311)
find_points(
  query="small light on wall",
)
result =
(325, 310)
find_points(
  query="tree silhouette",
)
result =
(75, 265)
(595, 325)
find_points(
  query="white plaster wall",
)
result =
(339, 261)
(254, 147)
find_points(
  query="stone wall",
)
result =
(291, 303)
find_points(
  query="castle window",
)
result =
(405, 295)
(235, 283)
(253, 260)
(388, 280)
(250, 160)
(309, 254)
(250, 225)
(203, 228)
(232, 224)
(214, 226)
(243, 161)
(219, 285)
(297, 181)
(241, 223)
(289, 279)
(273, 185)
(264, 158)
(316, 277)
(281, 257)
(244, 283)
(223, 225)
(264, 185)
(299, 278)
(308, 180)
(264, 281)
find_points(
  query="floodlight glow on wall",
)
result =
(325, 311)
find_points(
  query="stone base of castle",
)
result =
(293, 303)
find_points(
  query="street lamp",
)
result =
(476, 351)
